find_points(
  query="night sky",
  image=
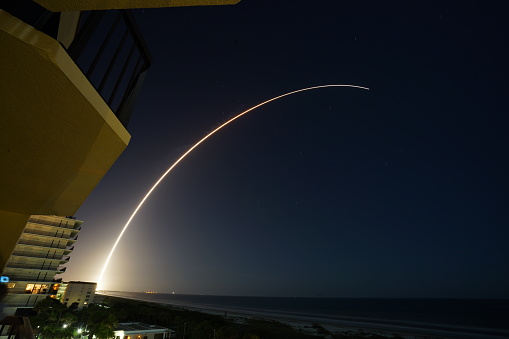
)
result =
(400, 191)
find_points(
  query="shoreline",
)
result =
(336, 324)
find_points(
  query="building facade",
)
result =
(80, 292)
(43, 247)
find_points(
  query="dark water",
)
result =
(441, 313)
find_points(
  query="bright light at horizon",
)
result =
(100, 284)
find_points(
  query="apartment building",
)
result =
(44, 245)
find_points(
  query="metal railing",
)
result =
(16, 328)
(111, 52)
(108, 48)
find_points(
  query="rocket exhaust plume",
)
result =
(99, 281)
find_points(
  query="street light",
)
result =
(64, 326)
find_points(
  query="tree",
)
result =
(250, 336)
(50, 318)
(202, 331)
(227, 332)
(101, 322)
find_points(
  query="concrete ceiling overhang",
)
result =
(58, 137)
(85, 5)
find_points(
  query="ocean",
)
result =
(478, 317)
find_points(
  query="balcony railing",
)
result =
(16, 328)
(111, 52)
(107, 47)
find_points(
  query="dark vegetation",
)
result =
(54, 320)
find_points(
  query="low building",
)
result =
(80, 292)
(61, 291)
(139, 330)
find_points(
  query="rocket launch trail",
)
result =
(99, 281)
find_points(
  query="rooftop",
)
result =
(137, 326)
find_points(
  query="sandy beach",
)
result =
(358, 327)
(321, 324)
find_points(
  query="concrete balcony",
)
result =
(34, 256)
(53, 224)
(58, 133)
(42, 244)
(60, 136)
(37, 267)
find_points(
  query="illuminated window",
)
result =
(29, 288)
(36, 288)
(11, 285)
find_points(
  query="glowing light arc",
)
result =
(99, 281)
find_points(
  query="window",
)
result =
(36, 289)
(11, 285)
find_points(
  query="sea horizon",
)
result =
(484, 317)
(324, 297)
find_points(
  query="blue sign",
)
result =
(4, 279)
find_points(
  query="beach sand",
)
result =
(357, 328)
(350, 326)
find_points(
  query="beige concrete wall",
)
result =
(11, 226)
